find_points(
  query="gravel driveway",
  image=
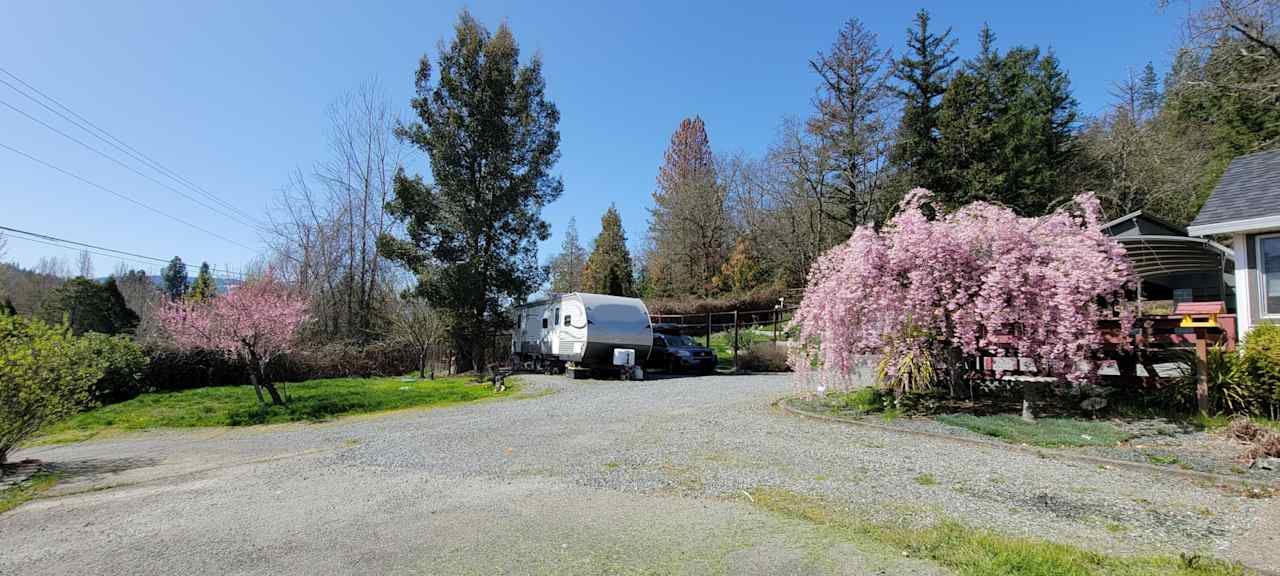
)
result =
(581, 477)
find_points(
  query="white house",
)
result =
(1246, 206)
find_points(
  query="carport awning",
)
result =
(1161, 255)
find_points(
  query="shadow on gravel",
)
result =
(94, 469)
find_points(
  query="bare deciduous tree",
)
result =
(783, 203)
(415, 323)
(325, 235)
(1253, 23)
(143, 296)
(84, 264)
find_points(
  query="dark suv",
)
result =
(679, 352)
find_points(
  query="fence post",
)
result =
(735, 340)
(708, 329)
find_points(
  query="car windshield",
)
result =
(679, 340)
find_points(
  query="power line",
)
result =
(98, 250)
(121, 196)
(119, 162)
(106, 136)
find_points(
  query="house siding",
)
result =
(1252, 296)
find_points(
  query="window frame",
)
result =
(1263, 312)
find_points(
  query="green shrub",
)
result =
(1262, 364)
(45, 375)
(171, 370)
(907, 366)
(862, 400)
(123, 365)
(1229, 386)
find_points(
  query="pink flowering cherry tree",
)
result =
(978, 280)
(255, 321)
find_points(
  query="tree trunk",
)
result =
(275, 394)
(1030, 395)
(259, 377)
(257, 386)
(422, 364)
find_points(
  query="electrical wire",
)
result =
(122, 196)
(94, 249)
(119, 162)
(109, 138)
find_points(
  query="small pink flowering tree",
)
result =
(978, 280)
(256, 322)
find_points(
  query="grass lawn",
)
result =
(13, 497)
(238, 406)
(1045, 432)
(975, 552)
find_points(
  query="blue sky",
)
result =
(232, 95)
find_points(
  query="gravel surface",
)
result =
(579, 477)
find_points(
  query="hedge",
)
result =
(172, 369)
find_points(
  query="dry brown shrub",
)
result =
(1263, 442)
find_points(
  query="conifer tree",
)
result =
(567, 266)
(175, 279)
(1006, 129)
(88, 306)
(689, 223)
(472, 232)
(204, 287)
(609, 269)
(924, 71)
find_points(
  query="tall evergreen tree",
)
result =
(851, 123)
(609, 269)
(689, 223)
(1149, 91)
(1006, 129)
(1210, 97)
(924, 71)
(490, 135)
(567, 266)
(175, 279)
(204, 287)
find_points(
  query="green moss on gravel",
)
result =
(1044, 432)
(975, 552)
(24, 491)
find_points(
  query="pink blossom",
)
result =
(980, 279)
(257, 320)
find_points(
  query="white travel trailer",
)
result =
(580, 333)
(526, 337)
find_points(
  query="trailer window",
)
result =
(544, 323)
(566, 319)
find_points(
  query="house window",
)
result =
(1269, 268)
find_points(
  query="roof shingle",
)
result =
(1250, 188)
